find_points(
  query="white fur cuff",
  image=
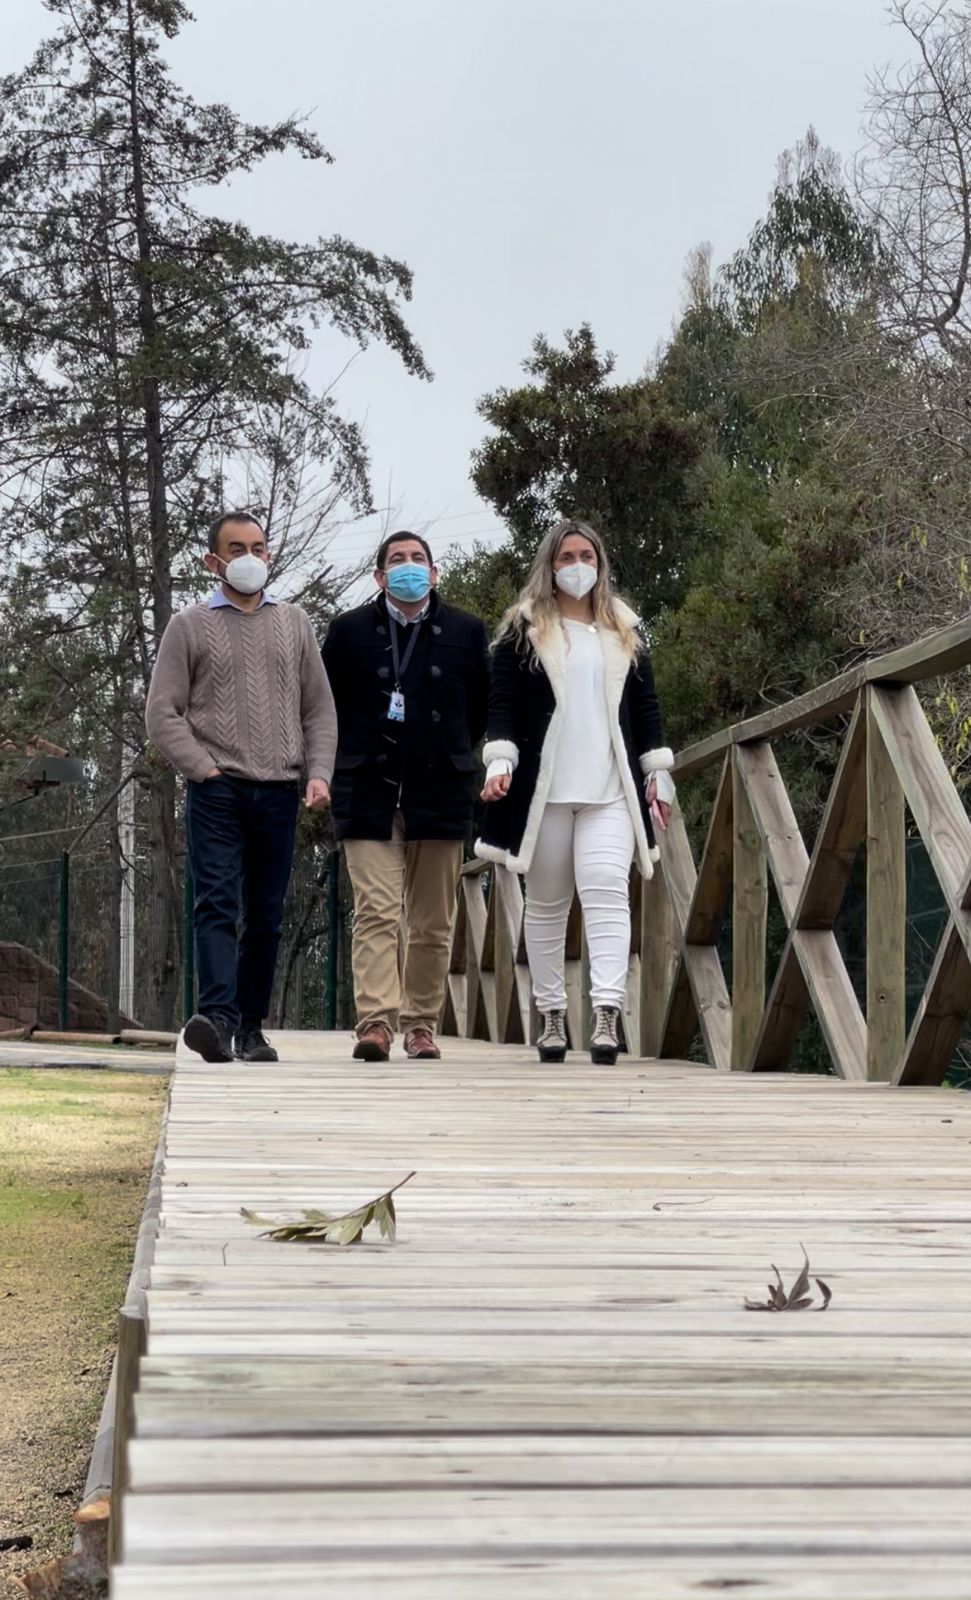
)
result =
(500, 768)
(501, 750)
(490, 852)
(657, 760)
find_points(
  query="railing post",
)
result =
(886, 905)
(64, 943)
(659, 959)
(750, 903)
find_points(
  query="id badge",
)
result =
(396, 706)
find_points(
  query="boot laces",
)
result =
(554, 1027)
(605, 1025)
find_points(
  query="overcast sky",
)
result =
(537, 163)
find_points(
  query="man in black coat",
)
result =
(410, 680)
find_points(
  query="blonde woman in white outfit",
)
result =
(577, 776)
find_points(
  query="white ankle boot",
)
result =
(552, 1040)
(604, 1042)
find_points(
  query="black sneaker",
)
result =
(251, 1045)
(210, 1037)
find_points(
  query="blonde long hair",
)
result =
(536, 605)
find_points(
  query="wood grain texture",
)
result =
(496, 1578)
(714, 881)
(750, 906)
(934, 802)
(810, 967)
(658, 961)
(824, 977)
(886, 900)
(131, 1349)
(943, 1010)
(784, 1014)
(549, 1384)
(700, 963)
(946, 650)
(776, 822)
(680, 1022)
(841, 832)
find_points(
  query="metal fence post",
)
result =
(188, 945)
(63, 943)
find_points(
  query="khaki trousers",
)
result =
(400, 972)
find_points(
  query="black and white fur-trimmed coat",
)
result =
(527, 688)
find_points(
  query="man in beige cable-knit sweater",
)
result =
(240, 705)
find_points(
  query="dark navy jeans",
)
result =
(240, 840)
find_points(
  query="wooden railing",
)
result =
(890, 763)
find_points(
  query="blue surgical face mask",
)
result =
(408, 581)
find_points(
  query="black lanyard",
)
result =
(401, 666)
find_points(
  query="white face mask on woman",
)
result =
(577, 579)
(246, 574)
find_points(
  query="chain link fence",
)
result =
(80, 950)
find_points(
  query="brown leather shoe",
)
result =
(420, 1046)
(373, 1042)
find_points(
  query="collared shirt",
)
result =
(217, 599)
(400, 617)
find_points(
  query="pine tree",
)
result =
(143, 344)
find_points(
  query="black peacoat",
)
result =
(528, 681)
(424, 766)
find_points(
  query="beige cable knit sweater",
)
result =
(244, 691)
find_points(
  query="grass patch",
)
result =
(75, 1152)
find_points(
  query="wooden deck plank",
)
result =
(932, 1577)
(176, 1466)
(549, 1385)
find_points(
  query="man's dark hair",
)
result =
(399, 538)
(229, 516)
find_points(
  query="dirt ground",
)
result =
(75, 1152)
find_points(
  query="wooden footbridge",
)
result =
(549, 1385)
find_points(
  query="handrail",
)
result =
(937, 653)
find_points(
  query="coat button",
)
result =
(381, 628)
(436, 628)
(381, 760)
(436, 672)
(436, 716)
(384, 672)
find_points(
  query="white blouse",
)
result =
(585, 769)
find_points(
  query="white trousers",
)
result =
(590, 848)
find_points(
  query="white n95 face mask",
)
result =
(577, 579)
(246, 574)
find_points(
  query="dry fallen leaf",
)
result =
(798, 1298)
(320, 1227)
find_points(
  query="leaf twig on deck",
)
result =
(320, 1227)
